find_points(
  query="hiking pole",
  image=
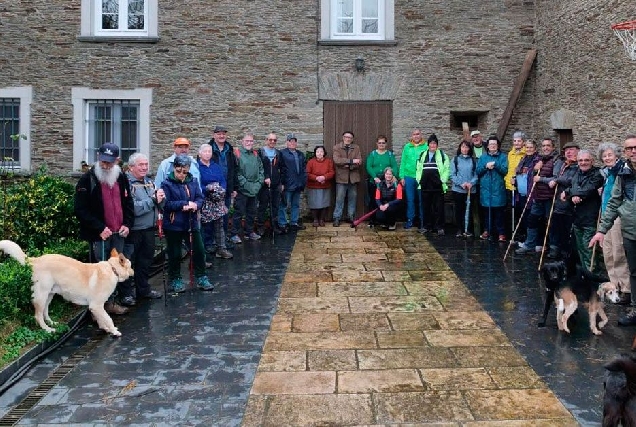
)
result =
(490, 204)
(271, 210)
(191, 252)
(547, 228)
(164, 256)
(523, 212)
(512, 210)
(598, 219)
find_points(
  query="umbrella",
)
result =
(467, 213)
(363, 217)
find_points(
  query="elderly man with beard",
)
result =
(104, 208)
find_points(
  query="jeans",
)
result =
(291, 201)
(412, 199)
(540, 209)
(244, 206)
(351, 192)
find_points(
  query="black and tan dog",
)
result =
(574, 285)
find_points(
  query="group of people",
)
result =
(558, 201)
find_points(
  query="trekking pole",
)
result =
(512, 211)
(523, 212)
(271, 210)
(191, 252)
(164, 257)
(598, 219)
(547, 228)
(490, 205)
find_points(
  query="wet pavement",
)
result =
(370, 328)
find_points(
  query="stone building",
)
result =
(74, 75)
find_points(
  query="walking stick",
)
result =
(271, 210)
(519, 222)
(164, 254)
(512, 211)
(547, 228)
(598, 219)
(191, 252)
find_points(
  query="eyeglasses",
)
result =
(584, 160)
(630, 148)
(381, 143)
(272, 139)
(347, 136)
(248, 140)
(181, 171)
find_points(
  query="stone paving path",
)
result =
(373, 328)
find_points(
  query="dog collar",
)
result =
(114, 271)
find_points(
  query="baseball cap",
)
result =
(475, 132)
(108, 153)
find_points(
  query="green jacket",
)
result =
(250, 172)
(622, 204)
(376, 163)
(443, 166)
(410, 155)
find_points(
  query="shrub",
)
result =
(37, 210)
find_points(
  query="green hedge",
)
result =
(37, 213)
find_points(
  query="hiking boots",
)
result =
(204, 283)
(254, 236)
(176, 285)
(629, 319)
(116, 309)
(224, 253)
(128, 301)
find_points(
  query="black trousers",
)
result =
(389, 216)
(630, 254)
(143, 243)
(460, 200)
(433, 206)
(266, 206)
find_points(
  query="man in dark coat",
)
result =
(104, 208)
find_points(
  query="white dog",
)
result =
(75, 281)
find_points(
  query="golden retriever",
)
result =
(75, 281)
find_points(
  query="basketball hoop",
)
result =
(626, 32)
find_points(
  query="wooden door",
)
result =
(367, 120)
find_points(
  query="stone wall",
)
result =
(584, 78)
(256, 65)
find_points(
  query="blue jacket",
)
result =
(174, 218)
(293, 168)
(491, 181)
(210, 174)
(465, 171)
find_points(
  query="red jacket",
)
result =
(320, 168)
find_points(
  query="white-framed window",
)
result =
(119, 19)
(357, 20)
(15, 128)
(121, 117)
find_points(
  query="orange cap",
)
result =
(181, 141)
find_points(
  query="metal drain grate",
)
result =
(12, 417)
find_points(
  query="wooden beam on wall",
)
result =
(516, 92)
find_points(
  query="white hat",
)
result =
(475, 132)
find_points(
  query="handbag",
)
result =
(522, 184)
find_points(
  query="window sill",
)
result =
(117, 39)
(329, 42)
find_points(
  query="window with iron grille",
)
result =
(114, 121)
(10, 122)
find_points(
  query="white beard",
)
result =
(108, 177)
